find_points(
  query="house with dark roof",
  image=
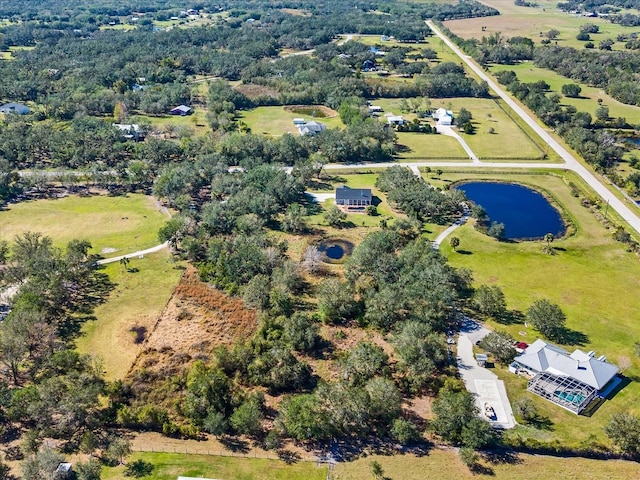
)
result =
(181, 110)
(353, 197)
(17, 108)
(572, 381)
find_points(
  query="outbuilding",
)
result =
(181, 110)
(17, 108)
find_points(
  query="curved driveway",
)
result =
(571, 163)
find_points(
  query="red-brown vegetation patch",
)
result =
(197, 319)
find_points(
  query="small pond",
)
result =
(335, 251)
(525, 213)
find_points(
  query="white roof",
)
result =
(395, 118)
(311, 127)
(544, 357)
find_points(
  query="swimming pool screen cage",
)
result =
(567, 392)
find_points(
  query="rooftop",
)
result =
(346, 193)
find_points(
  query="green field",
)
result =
(532, 22)
(168, 466)
(445, 465)
(196, 122)
(137, 300)
(588, 101)
(508, 139)
(114, 225)
(277, 121)
(593, 279)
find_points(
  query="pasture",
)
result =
(114, 225)
(533, 22)
(168, 466)
(588, 100)
(134, 305)
(588, 271)
(277, 121)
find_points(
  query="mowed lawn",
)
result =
(594, 280)
(588, 101)
(277, 121)
(120, 224)
(534, 22)
(445, 465)
(137, 300)
(168, 466)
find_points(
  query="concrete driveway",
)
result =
(482, 382)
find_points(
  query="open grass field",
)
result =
(115, 225)
(445, 465)
(593, 279)
(196, 122)
(277, 121)
(588, 101)
(137, 300)
(169, 465)
(508, 140)
(530, 22)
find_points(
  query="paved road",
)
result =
(139, 253)
(571, 163)
(440, 238)
(450, 132)
(482, 382)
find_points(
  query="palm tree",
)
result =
(547, 248)
(454, 242)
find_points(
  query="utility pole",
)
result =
(606, 210)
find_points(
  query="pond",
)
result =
(335, 251)
(525, 213)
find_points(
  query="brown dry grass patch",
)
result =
(254, 91)
(197, 319)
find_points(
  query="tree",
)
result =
(547, 248)
(548, 318)
(303, 418)
(118, 449)
(335, 301)
(41, 465)
(489, 300)
(477, 433)
(376, 470)
(552, 34)
(405, 431)
(247, 418)
(334, 216)
(526, 409)
(364, 361)
(138, 469)
(464, 116)
(312, 259)
(301, 332)
(496, 230)
(454, 242)
(624, 430)
(453, 410)
(571, 90)
(602, 113)
(293, 221)
(468, 456)
(500, 344)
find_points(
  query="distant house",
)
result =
(299, 121)
(443, 116)
(130, 131)
(572, 381)
(395, 120)
(17, 108)
(384, 38)
(375, 109)
(353, 197)
(181, 110)
(368, 65)
(311, 128)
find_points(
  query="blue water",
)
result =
(526, 214)
(334, 252)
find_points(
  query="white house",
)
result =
(572, 381)
(443, 116)
(299, 121)
(395, 120)
(373, 109)
(311, 128)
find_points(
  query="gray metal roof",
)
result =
(543, 357)
(346, 193)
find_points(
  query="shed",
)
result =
(17, 108)
(181, 110)
(481, 358)
(299, 121)
(395, 120)
(64, 470)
